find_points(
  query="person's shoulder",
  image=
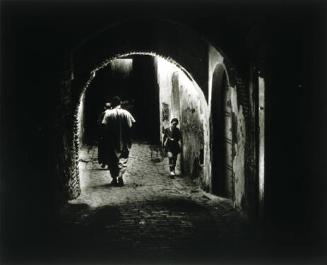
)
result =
(125, 112)
(107, 112)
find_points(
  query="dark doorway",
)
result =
(145, 91)
(221, 115)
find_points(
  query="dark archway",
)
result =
(221, 142)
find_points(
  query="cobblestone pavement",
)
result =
(152, 218)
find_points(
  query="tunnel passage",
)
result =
(197, 62)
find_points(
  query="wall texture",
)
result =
(239, 131)
(194, 121)
(232, 99)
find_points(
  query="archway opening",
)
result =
(154, 90)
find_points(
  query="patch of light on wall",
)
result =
(261, 138)
(187, 82)
(122, 66)
(80, 119)
(165, 67)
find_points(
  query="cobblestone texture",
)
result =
(152, 218)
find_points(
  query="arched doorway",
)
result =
(222, 135)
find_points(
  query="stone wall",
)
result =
(68, 133)
(239, 137)
(194, 122)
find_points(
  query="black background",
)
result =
(36, 38)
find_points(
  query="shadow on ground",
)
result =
(157, 231)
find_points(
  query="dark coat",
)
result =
(171, 140)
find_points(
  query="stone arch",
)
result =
(171, 41)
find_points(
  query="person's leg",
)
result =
(106, 152)
(174, 158)
(113, 167)
(113, 173)
(172, 162)
(101, 155)
(122, 166)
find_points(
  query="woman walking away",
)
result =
(171, 143)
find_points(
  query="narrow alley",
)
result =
(152, 218)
